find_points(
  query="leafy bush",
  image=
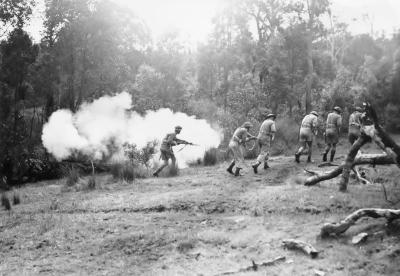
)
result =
(126, 170)
(286, 137)
(5, 202)
(16, 198)
(142, 156)
(72, 176)
(210, 157)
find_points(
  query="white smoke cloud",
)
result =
(92, 127)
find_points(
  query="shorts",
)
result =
(331, 137)
(167, 154)
(305, 135)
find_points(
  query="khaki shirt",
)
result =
(355, 120)
(334, 122)
(267, 129)
(310, 121)
(240, 135)
(170, 140)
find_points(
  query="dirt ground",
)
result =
(202, 222)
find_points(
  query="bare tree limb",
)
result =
(338, 228)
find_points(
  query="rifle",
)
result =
(187, 144)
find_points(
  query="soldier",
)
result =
(333, 125)
(355, 125)
(308, 129)
(264, 139)
(166, 148)
(236, 145)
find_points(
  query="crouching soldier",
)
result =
(333, 125)
(264, 139)
(166, 149)
(236, 145)
(307, 131)
(355, 125)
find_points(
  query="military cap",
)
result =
(314, 113)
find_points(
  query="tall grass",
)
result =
(126, 170)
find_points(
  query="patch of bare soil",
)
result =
(203, 222)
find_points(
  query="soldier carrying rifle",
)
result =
(236, 145)
(167, 153)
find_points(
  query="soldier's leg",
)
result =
(231, 165)
(165, 163)
(309, 144)
(260, 157)
(173, 160)
(327, 149)
(240, 160)
(333, 151)
(266, 166)
(300, 151)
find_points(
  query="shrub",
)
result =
(286, 137)
(5, 202)
(128, 171)
(91, 185)
(72, 176)
(16, 199)
(210, 157)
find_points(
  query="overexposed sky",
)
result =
(192, 18)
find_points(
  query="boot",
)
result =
(237, 172)
(324, 158)
(266, 165)
(255, 166)
(297, 157)
(332, 155)
(229, 169)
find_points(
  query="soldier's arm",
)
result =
(315, 126)
(171, 140)
(179, 141)
(339, 124)
(250, 137)
(273, 131)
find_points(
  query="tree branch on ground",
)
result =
(330, 229)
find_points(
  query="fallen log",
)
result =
(329, 229)
(255, 266)
(376, 159)
(302, 246)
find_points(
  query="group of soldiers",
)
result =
(308, 129)
(266, 135)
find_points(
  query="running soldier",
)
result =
(166, 149)
(308, 129)
(355, 125)
(264, 139)
(236, 145)
(333, 125)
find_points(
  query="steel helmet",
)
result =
(270, 115)
(359, 109)
(314, 113)
(178, 127)
(247, 125)
(338, 109)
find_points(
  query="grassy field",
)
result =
(202, 222)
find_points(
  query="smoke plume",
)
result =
(95, 124)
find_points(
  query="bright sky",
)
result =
(192, 18)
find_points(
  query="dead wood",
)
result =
(372, 159)
(255, 266)
(338, 228)
(300, 245)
